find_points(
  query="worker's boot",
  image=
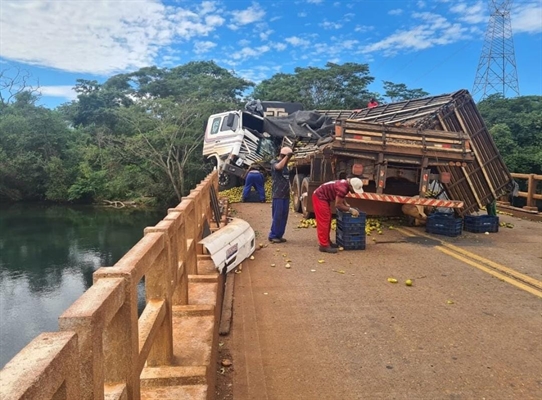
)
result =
(327, 249)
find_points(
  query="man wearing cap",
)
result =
(321, 201)
(281, 195)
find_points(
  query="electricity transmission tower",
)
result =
(497, 71)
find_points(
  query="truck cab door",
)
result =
(222, 134)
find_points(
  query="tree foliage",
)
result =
(399, 92)
(516, 126)
(333, 87)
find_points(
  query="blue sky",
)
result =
(430, 44)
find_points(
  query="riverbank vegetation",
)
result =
(137, 137)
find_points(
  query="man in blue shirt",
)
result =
(281, 195)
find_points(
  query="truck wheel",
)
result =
(227, 181)
(305, 199)
(296, 190)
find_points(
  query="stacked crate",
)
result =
(444, 224)
(481, 223)
(350, 233)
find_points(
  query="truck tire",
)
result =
(227, 181)
(296, 191)
(305, 199)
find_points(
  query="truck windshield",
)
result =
(266, 148)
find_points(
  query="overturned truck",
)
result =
(400, 150)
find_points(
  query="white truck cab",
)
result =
(234, 140)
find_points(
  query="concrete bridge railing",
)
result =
(102, 345)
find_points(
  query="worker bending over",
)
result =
(334, 191)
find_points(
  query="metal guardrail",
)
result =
(102, 345)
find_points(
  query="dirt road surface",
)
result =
(333, 327)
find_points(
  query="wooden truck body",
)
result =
(399, 148)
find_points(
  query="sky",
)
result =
(434, 45)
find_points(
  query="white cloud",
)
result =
(434, 30)
(527, 18)
(471, 13)
(264, 35)
(79, 36)
(244, 17)
(201, 47)
(363, 28)
(421, 4)
(396, 11)
(315, 1)
(330, 25)
(66, 91)
(297, 41)
(250, 52)
(259, 72)
(302, 14)
(278, 46)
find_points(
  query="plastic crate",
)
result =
(481, 223)
(346, 218)
(351, 226)
(444, 224)
(350, 240)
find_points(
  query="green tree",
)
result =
(31, 137)
(166, 138)
(333, 87)
(516, 125)
(399, 92)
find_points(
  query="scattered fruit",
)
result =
(252, 257)
(273, 265)
(321, 261)
(287, 266)
(392, 280)
(226, 362)
(408, 282)
(450, 302)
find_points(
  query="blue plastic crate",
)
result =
(481, 223)
(444, 224)
(347, 218)
(350, 240)
(351, 226)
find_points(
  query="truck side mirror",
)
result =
(230, 120)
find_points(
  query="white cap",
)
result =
(285, 151)
(357, 185)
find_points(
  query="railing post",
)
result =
(158, 286)
(47, 368)
(531, 186)
(121, 339)
(180, 288)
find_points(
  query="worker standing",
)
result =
(281, 195)
(322, 197)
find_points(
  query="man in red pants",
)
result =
(321, 201)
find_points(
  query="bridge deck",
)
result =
(467, 328)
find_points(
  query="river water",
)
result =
(47, 257)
